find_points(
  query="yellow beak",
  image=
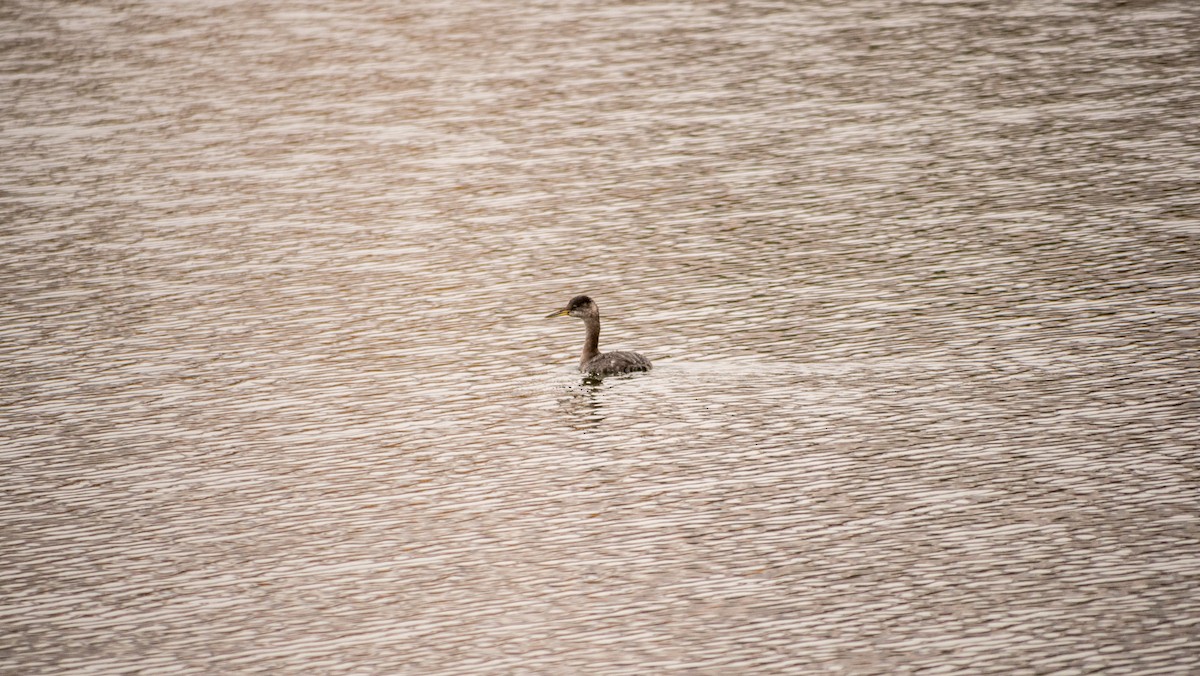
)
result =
(559, 313)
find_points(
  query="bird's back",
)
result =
(609, 363)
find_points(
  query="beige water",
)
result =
(921, 281)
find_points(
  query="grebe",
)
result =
(593, 360)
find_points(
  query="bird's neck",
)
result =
(591, 345)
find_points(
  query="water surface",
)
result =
(920, 280)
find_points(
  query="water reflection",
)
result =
(581, 403)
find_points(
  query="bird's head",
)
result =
(580, 306)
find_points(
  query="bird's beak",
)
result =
(559, 313)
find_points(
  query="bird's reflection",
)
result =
(582, 402)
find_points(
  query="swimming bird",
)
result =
(594, 361)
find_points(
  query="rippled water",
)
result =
(920, 280)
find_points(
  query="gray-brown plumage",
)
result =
(593, 360)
